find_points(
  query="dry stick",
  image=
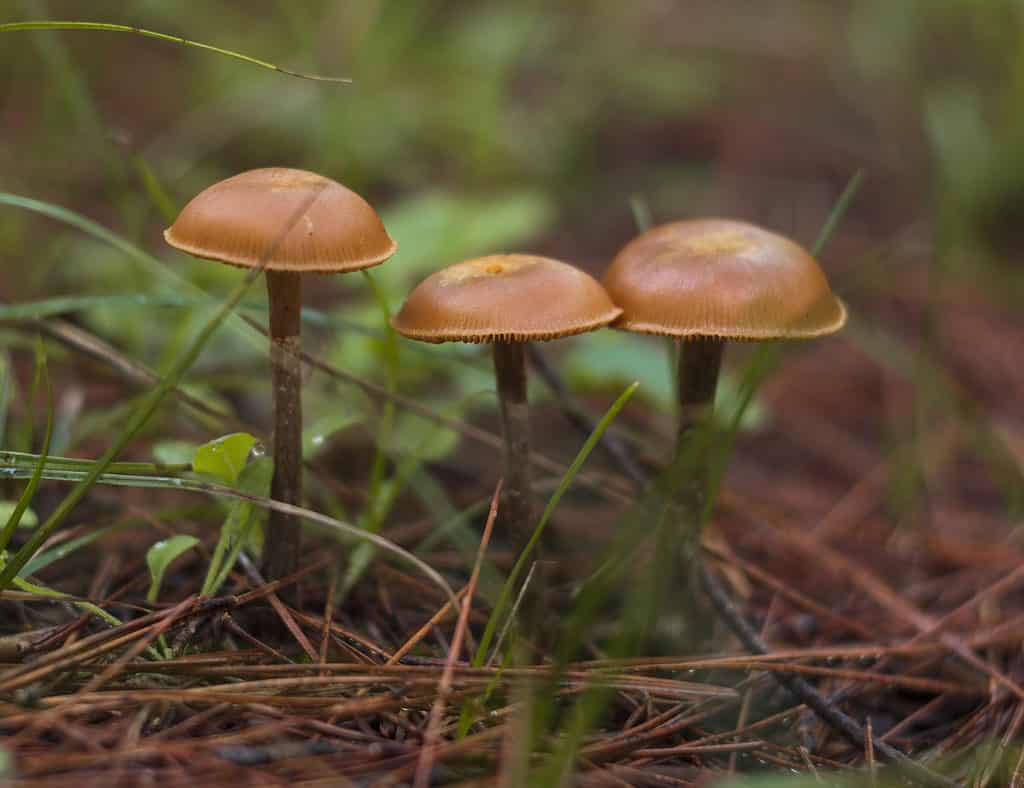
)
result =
(798, 687)
(430, 739)
(156, 631)
(87, 648)
(804, 692)
(423, 631)
(233, 627)
(279, 607)
(325, 631)
(369, 652)
(798, 598)
(484, 437)
(877, 589)
(699, 749)
(577, 415)
(80, 339)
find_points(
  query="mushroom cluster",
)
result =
(703, 282)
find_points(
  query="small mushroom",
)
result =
(291, 222)
(707, 281)
(507, 300)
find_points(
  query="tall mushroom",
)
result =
(507, 300)
(705, 282)
(708, 281)
(290, 222)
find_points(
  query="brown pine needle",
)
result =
(430, 740)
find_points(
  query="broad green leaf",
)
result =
(415, 436)
(610, 359)
(161, 555)
(439, 228)
(64, 549)
(28, 517)
(225, 457)
(174, 452)
(318, 435)
(243, 527)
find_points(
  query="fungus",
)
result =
(290, 222)
(708, 281)
(507, 300)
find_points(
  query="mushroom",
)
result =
(707, 281)
(507, 300)
(290, 222)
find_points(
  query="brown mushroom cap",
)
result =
(721, 278)
(241, 220)
(504, 298)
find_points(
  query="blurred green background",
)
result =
(477, 127)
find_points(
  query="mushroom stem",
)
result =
(281, 550)
(700, 359)
(510, 374)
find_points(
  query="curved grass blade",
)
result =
(142, 413)
(19, 460)
(374, 515)
(44, 591)
(12, 27)
(177, 284)
(37, 473)
(64, 549)
(507, 590)
(207, 488)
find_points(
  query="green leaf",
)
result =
(28, 517)
(161, 555)
(610, 359)
(174, 452)
(415, 436)
(64, 549)
(225, 457)
(318, 434)
(243, 527)
(439, 228)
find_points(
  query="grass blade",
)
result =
(146, 408)
(524, 557)
(218, 490)
(105, 27)
(37, 473)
